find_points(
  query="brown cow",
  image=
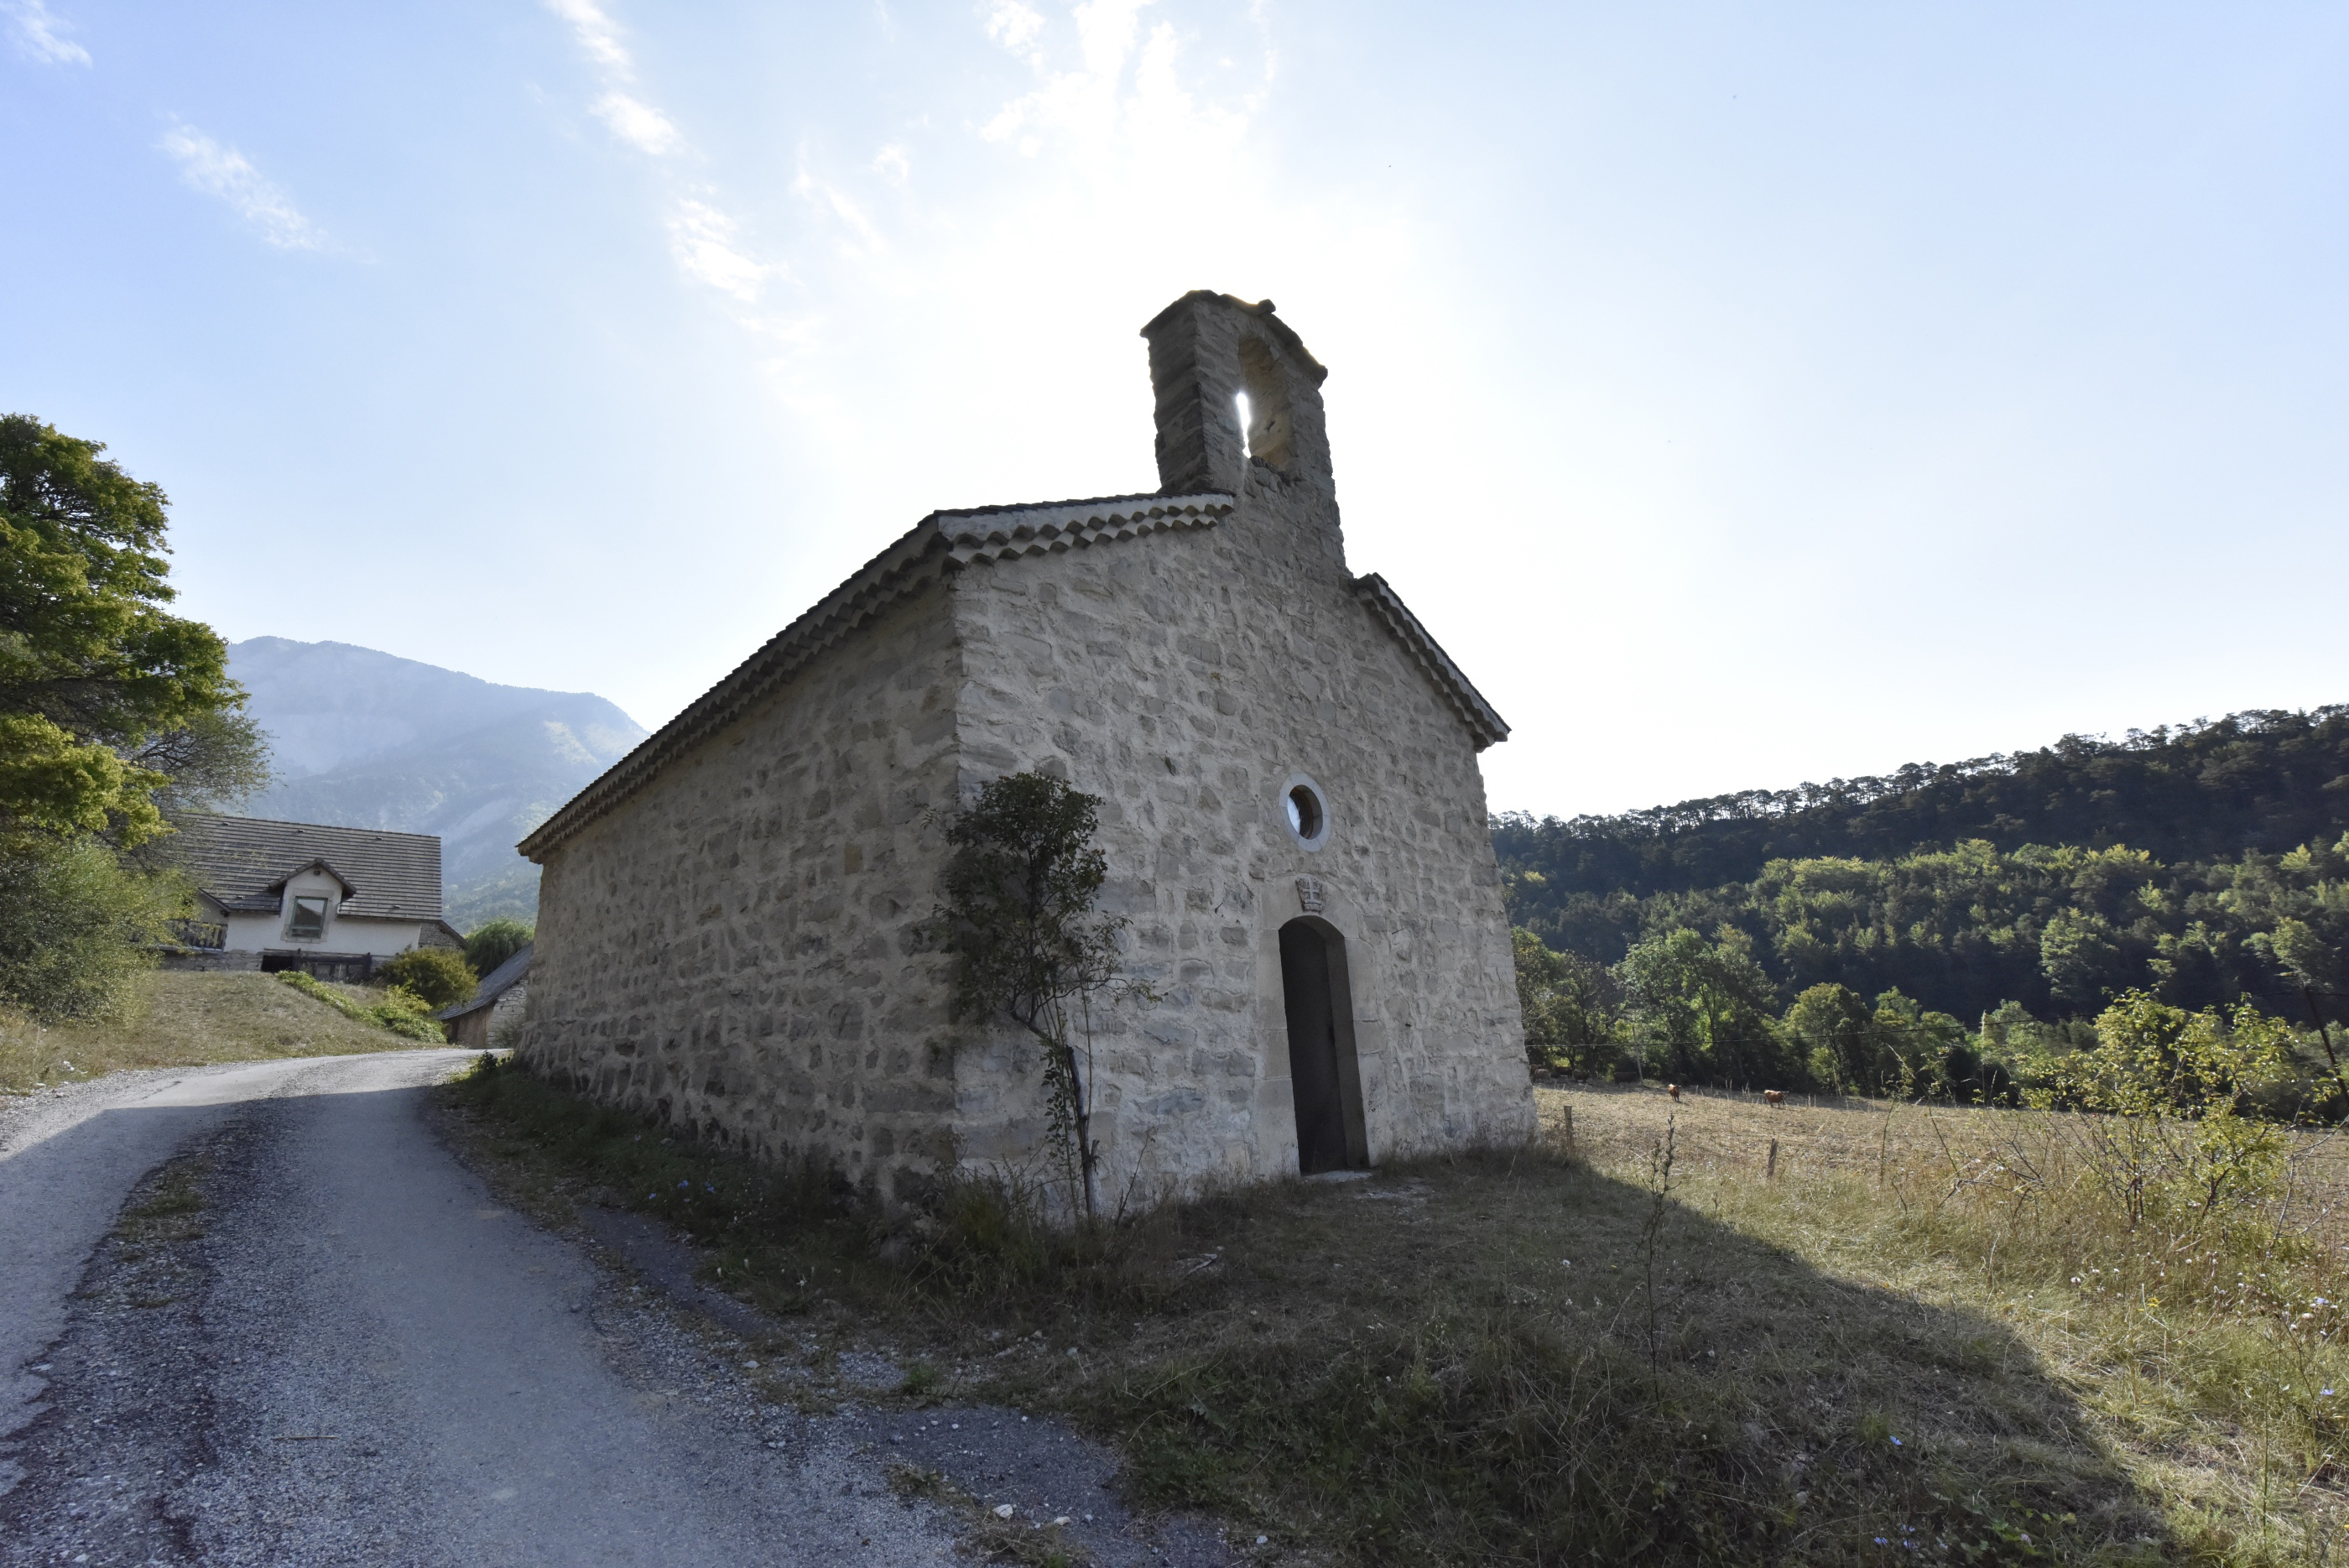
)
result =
(1673, 1090)
(1773, 1096)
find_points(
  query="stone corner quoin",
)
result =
(728, 920)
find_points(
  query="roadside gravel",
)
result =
(357, 1355)
(312, 1335)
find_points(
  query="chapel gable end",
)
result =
(1207, 351)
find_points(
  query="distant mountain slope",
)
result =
(2205, 862)
(2264, 780)
(363, 738)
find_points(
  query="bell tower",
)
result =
(1216, 362)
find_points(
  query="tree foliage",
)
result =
(2176, 1092)
(73, 922)
(1018, 913)
(2261, 779)
(107, 700)
(2058, 931)
(437, 977)
(493, 942)
(113, 713)
(1569, 1002)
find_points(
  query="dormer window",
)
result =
(309, 918)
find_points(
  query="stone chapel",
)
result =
(729, 920)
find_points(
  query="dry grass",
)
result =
(1574, 1354)
(2200, 1353)
(180, 1019)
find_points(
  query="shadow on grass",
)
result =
(1488, 1359)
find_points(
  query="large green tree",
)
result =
(1704, 1009)
(109, 706)
(113, 713)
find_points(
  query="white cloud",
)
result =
(702, 240)
(1014, 25)
(41, 34)
(892, 164)
(598, 35)
(702, 237)
(638, 124)
(224, 173)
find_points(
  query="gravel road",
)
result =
(261, 1314)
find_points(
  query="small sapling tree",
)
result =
(1018, 914)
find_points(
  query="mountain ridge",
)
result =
(362, 738)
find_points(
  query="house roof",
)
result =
(494, 984)
(312, 865)
(939, 544)
(241, 862)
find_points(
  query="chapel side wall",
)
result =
(1183, 677)
(733, 949)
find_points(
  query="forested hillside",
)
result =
(2206, 865)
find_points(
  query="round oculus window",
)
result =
(1309, 818)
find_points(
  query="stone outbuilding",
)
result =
(730, 920)
(496, 1007)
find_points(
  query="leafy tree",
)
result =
(437, 977)
(73, 920)
(1834, 1031)
(2175, 1088)
(106, 700)
(1018, 914)
(493, 942)
(1704, 1006)
(1569, 1002)
(2193, 791)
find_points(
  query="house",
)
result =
(334, 901)
(495, 1007)
(731, 927)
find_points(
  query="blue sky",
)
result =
(1744, 394)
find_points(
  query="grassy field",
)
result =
(178, 1019)
(1922, 1335)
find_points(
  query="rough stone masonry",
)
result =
(729, 920)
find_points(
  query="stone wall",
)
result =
(732, 949)
(209, 960)
(734, 946)
(1183, 678)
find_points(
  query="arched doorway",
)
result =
(1322, 1068)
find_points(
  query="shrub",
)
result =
(493, 942)
(401, 1011)
(73, 923)
(436, 976)
(2173, 1086)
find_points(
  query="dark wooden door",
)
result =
(1312, 1049)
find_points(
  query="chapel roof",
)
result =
(241, 862)
(940, 542)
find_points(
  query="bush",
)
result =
(494, 941)
(401, 1011)
(436, 976)
(74, 923)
